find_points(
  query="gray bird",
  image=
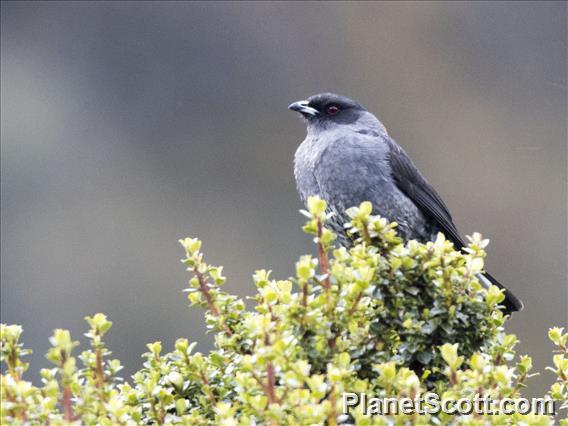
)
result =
(348, 157)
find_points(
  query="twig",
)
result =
(270, 377)
(99, 371)
(12, 362)
(366, 235)
(66, 403)
(67, 395)
(323, 259)
(205, 291)
(19, 414)
(355, 302)
(207, 388)
(271, 385)
(332, 418)
(211, 305)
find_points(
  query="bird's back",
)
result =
(349, 168)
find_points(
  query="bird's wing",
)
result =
(410, 181)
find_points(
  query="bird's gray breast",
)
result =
(346, 170)
(306, 159)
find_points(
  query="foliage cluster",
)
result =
(381, 317)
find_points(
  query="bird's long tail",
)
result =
(511, 303)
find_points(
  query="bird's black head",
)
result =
(328, 108)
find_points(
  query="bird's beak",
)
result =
(303, 108)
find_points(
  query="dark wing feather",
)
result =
(414, 185)
(410, 181)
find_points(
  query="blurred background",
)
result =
(128, 125)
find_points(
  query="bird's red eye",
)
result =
(332, 109)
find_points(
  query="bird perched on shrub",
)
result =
(348, 157)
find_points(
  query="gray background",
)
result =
(126, 126)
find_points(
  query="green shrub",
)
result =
(385, 318)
